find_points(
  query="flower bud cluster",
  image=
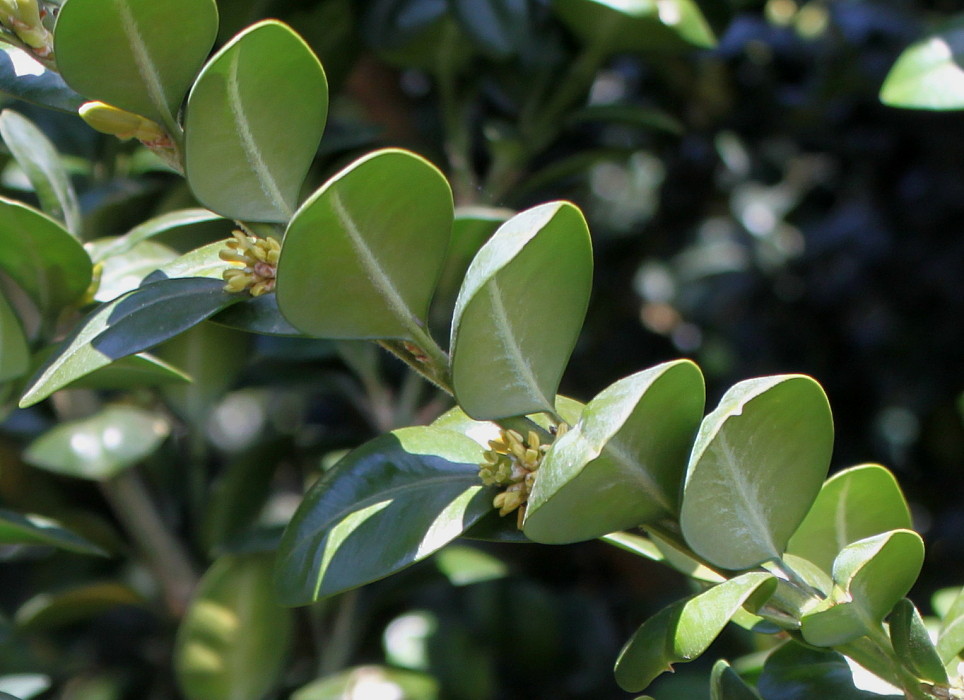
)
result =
(23, 18)
(513, 462)
(255, 261)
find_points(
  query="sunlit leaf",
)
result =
(796, 672)
(913, 644)
(852, 504)
(622, 464)
(755, 470)
(726, 684)
(929, 74)
(387, 504)
(28, 80)
(684, 630)
(270, 88)
(139, 55)
(16, 528)
(362, 256)
(520, 311)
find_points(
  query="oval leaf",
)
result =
(913, 644)
(726, 684)
(389, 503)
(16, 528)
(24, 78)
(233, 641)
(101, 446)
(253, 123)
(134, 322)
(800, 673)
(618, 26)
(929, 73)
(362, 257)
(519, 312)
(755, 470)
(852, 504)
(870, 577)
(139, 55)
(41, 162)
(49, 264)
(685, 629)
(623, 462)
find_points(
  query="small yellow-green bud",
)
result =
(255, 261)
(108, 119)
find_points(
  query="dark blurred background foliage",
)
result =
(753, 206)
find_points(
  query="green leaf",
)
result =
(755, 470)
(254, 120)
(16, 528)
(622, 464)
(463, 565)
(853, 504)
(726, 684)
(124, 272)
(101, 446)
(139, 55)
(362, 256)
(617, 26)
(913, 643)
(929, 74)
(357, 681)
(41, 162)
(26, 79)
(950, 639)
(684, 630)
(393, 501)
(52, 610)
(472, 227)
(102, 250)
(870, 576)
(520, 311)
(133, 372)
(49, 264)
(233, 642)
(257, 315)
(134, 322)
(796, 672)
(14, 351)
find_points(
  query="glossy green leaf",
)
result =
(758, 463)
(950, 638)
(233, 641)
(520, 311)
(14, 351)
(16, 528)
(257, 315)
(389, 503)
(135, 371)
(362, 257)
(102, 250)
(134, 322)
(796, 672)
(929, 74)
(124, 272)
(101, 446)
(684, 630)
(726, 684)
(41, 163)
(616, 26)
(254, 120)
(364, 681)
(913, 644)
(80, 603)
(139, 55)
(48, 263)
(200, 262)
(870, 576)
(26, 79)
(853, 504)
(622, 464)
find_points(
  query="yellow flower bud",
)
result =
(121, 123)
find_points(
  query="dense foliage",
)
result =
(208, 215)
